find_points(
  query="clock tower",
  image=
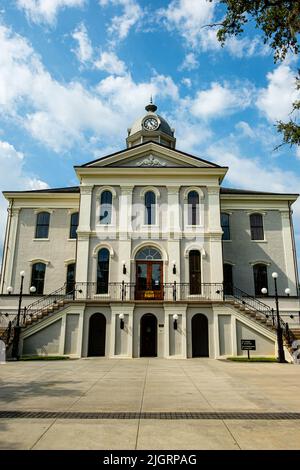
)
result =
(151, 127)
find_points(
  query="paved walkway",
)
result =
(138, 386)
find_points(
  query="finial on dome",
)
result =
(151, 107)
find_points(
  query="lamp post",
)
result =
(17, 328)
(281, 357)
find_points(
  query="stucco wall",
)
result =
(242, 251)
(56, 249)
(264, 346)
(45, 341)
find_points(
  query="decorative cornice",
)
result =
(253, 263)
(39, 260)
(150, 161)
(86, 190)
(44, 209)
(213, 190)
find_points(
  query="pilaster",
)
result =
(8, 276)
(288, 252)
(83, 235)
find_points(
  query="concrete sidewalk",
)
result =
(150, 385)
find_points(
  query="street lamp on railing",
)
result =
(15, 347)
(281, 357)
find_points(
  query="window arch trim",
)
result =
(103, 245)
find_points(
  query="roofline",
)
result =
(67, 190)
(145, 143)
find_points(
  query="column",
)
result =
(125, 336)
(215, 235)
(173, 232)
(62, 335)
(233, 335)
(180, 310)
(125, 231)
(83, 237)
(288, 252)
(215, 309)
(8, 259)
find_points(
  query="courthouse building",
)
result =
(150, 255)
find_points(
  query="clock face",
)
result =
(151, 124)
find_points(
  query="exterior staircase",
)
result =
(261, 313)
(37, 311)
(241, 301)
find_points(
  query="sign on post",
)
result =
(248, 345)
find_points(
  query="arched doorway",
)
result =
(200, 336)
(148, 337)
(97, 333)
(149, 274)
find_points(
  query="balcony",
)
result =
(169, 292)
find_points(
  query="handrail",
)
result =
(124, 291)
(263, 309)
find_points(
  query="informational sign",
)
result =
(149, 294)
(248, 345)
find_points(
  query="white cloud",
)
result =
(298, 153)
(46, 11)
(245, 130)
(109, 62)
(190, 18)
(187, 82)
(275, 101)
(13, 177)
(190, 62)
(129, 97)
(121, 25)
(60, 114)
(84, 50)
(219, 100)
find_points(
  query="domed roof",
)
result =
(138, 124)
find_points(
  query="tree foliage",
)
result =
(279, 22)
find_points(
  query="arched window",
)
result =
(150, 203)
(70, 282)
(149, 254)
(42, 225)
(38, 277)
(103, 271)
(228, 279)
(105, 208)
(193, 208)
(195, 272)
(225, 226)
(257, 228)
(74, 225)
(260, 273)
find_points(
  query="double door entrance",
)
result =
(149, 280)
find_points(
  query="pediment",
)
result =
(150, 155)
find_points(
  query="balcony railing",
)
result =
(126, 291)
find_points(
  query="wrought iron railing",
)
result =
(126, 291)
(260, 308)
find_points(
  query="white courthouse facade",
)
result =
(149, 256)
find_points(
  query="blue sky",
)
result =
(75, 74)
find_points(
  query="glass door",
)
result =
(149, 280)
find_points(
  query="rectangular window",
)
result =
(74, 225)
(42, 225)
(225, 226)
(257, 229)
